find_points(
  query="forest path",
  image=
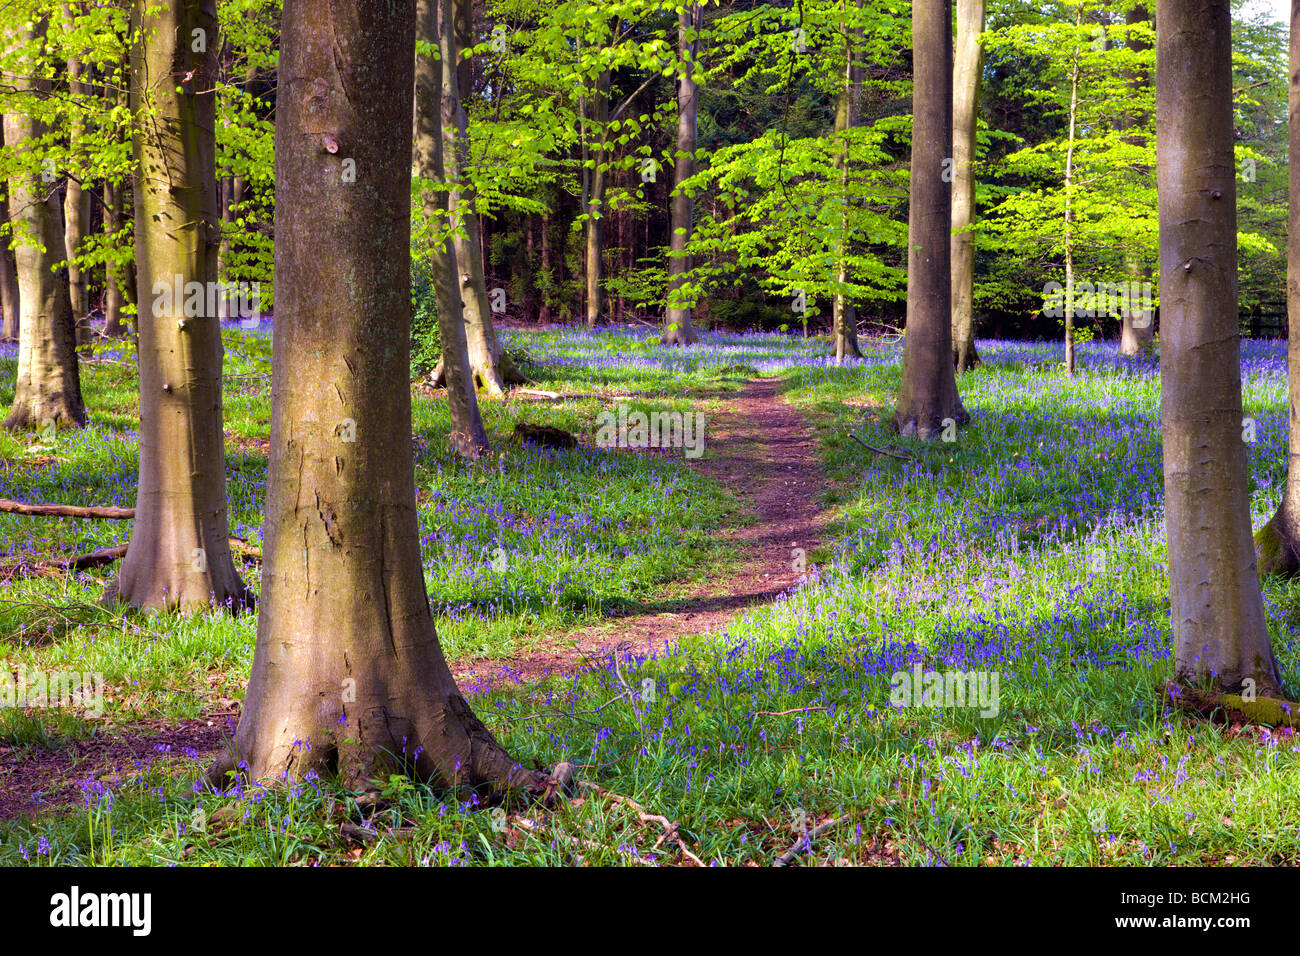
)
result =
(761, 449)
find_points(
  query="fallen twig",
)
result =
(671, 828)
(805, 839)
(880, 451)
(782, 713)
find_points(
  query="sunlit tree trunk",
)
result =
(113, 297)
(48, 386)
(596, 205)
(927, 395)
(1219, 631)
(1137, 322)
(844, 320)
(966, 89)
(1069, 201)
(8, 270)
(678, 329)
(1278, 542)
(76, 200)
(179, 554)
(468, 437)
(347, 674)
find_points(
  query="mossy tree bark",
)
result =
(347, 674)
(1217, 612)
(678, 329)
(966, 90)
(48, 386)
(468, 437)
(1278, 542)
(927, 394)
(179, 554)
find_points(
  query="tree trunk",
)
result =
(1217, 612)
(48, 386)
(927, 394)
(1278, 542)
(468, 437)
(348, 675)
(844, 319)
(492, 368)
(8, 270)
(179, 555)
(76, 200)
(596, 205)
(1069, 201)
(678, 329)
(113, 297)
(966, 90)
(1137, 323)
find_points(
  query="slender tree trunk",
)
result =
(966, 90)
(492, 367)
(844, 320)
(179, 555)
(112, 282)
(468, 437)
(678, 329)
(76, 200)
(1069, 203)
(1137, 323)
(1278, 542)
(1216, 609)
(348, 675)
(48, 386)
(927, 394)
(8, 269)
(596, 205)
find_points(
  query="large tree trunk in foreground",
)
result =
(844, 319)
(678, 329)
(48, 387)
(927, 395)
(1217, 612)
(179, 555)
(348, 675)
(1278, 542)
(468, 437)
(492, 367)
(966, 90)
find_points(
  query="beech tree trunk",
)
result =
(1278, 542)
(76, 200)
(468, 437)
(596, 206)
(48, 386)
(113, 297)
(179, 554)
(927, 394)
(678, 329)
(1217, 613)
(492, 368)
(348, 675)
(966, 90)
(1137, 323)
(8, 270)
(844, 319)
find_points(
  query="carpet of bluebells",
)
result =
(1030, 547)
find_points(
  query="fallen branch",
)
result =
(880, 451)
(64, 511)
(671, 828)
(782, 713)
(95, 559)
(805, 839)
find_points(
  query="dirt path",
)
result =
(757, 446)
(761, 449)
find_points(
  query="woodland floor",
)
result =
(758, 446)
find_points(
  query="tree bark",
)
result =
(927, 394)
(1137, 323)
(468, 437)
(348, 675)
(596, 205)
(179, 555)
(1278, 542)
(76, 200)
(113, 297)
(48, 386)
(844, 319)
(966, 89)
(1217, 612)
(8, 269)
(678, 329)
